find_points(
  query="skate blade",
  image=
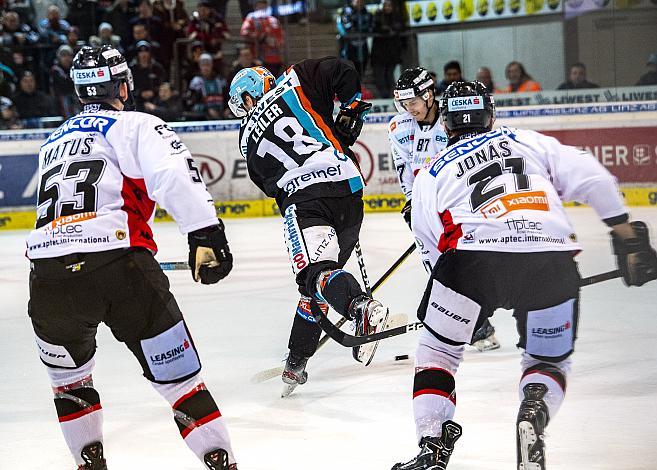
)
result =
(288, 389)
(527, 439)
(365, 353)
(487, 344)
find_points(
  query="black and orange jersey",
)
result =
(288, 139)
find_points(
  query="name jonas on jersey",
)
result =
(268, 116)
(68, 148)
(494, 150)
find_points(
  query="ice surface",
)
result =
(346, 416)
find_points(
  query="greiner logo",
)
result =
(170, 355)
(297, 182)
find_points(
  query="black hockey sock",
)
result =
(194, 409)
(339, 288)
(304, 337)
(549, 370)
(435, 382)
(73, 404)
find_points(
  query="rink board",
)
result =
(623, 137)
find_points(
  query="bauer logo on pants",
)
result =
(451, 314)
(54, 354)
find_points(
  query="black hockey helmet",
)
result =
(467, 106)
(98, 72)
(412, 82)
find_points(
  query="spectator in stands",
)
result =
(7, 80)
(73, 39)
(147, 74)
(387, 47)
(119, 15)
(451, 73)
(173, 15)
(8, 115)
(15, 33)
(190, 67)
(577, 78)
(244, 59)
(519, 80)
(61, 85)
(354, 24)
(208, 27)
(485, 76)
(31, 102)
(167, 106)
(140, 33)
(106, 36)
(265, 35)
(207, 91)
(53, 28)
(84, 14)
(650, 77)
(152, 23)
(25, 9)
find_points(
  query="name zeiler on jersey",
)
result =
(488, 215)
(298, 155)
(100, 175)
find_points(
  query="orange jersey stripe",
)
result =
(318, 120)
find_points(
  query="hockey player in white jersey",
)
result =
(488, 217)
(100, 176)
(416, 136)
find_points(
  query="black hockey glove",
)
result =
(349, 121)
(406, 213)
(637, 260)
(209, 256)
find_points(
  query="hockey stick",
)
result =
(267, 374)
(351, 341)
(377, 284)
(174, 266)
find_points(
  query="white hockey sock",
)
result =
(434, 394)
(78, 407)
(199, 420)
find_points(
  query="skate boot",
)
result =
(484, 338)
(92, 454)
(369, 317)
(294, 373)
(218, 460)
(532, 420)
(434, 451)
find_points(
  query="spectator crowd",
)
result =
(166, 45)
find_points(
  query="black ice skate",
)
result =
(484, 338)
(532, 420)
(218, 460)
(435, 451)
(92, 454)
(294, 373)
(369, 317)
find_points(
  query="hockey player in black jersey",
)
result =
(299, 156)
(91, 253)
(518, 174)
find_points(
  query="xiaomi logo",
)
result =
(534, 201)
